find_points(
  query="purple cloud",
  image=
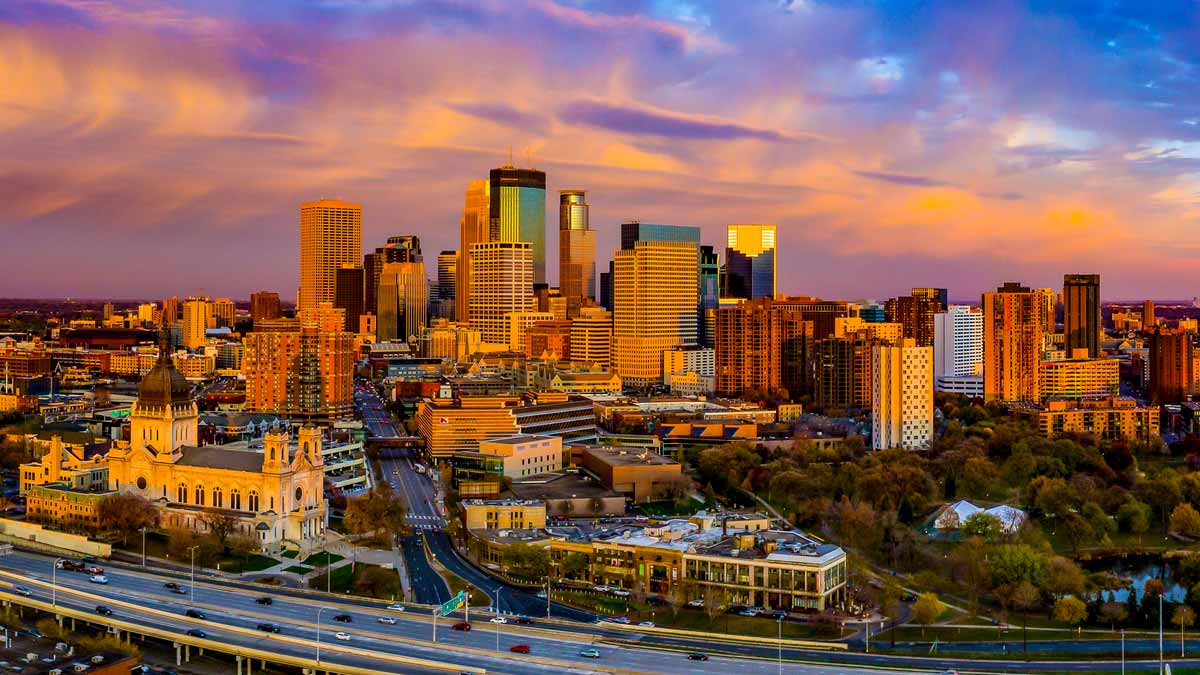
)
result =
(903, 179)
(637, 121)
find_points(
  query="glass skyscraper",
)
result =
(518, 211)
(750, 262)
(710, 293)
(576, 250)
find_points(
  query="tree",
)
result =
(1183, 616)
(1070, 610)
(1063, 578)
(983, 525)
(1025, 597)
(379, 509)
(574, 565)
(375, 582)
(50, 628)
(970, 566)
(1134, 516)
(527, 560)
(126, 513)
(1102, 526)
(889, 602)
(220, 525)
(242, 546)
(1011, 564)
(1185, 521)
(927, 609)
(1113, 613)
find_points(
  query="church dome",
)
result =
(164, 385)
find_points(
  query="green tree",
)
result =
(1010, 564)
(927, 609)
(983, 525)
(890, 595)
(1185, 521)
(527, 561)
(375, 582)
(1134, 517)
(379, 509)
(971, 568)
(1063, 578)
(1070, 610)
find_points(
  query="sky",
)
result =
(157, 148)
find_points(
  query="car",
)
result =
(647, 624)
(590, 653)
(949, 672)
(344, 618)
(519, 649)
(196, 632)
(21, 590)
(697, 656)
(387, 619)
(780, 614)
(620, 619)
(695, 603)
(98, 579)
(523, 620)
(344, 637)
(171, 585)
(909, 597)
(178, 590)
(621, 593)
(265, 600)
(601, 589)
(35, 633)
(195, 614)
(462, 625)
(499, 619)
(103, 610)
(541, 595)
(268, 628)
(396, 608)
(90, 559)
(69, 565)
(95, 571)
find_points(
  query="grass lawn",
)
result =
(298, 569)
(252, 563)
(343, 580)
(291, 553)
(601, 604)
(322, 559)
(690, 619)
(456, 584)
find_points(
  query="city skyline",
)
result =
(880, 151)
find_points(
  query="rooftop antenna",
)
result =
(510, 156)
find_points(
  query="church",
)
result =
(275, 494)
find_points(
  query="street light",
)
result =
(779, 622)
(192, 585)
(319, 610)
(54, 583)
(143, 547)
(498, 623)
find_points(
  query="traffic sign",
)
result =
(454, 603)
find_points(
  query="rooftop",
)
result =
(560, 486)
(519, 439)
(618, 456)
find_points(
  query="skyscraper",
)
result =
(403, 298)
(264, 305)
(901, 396)
(501, 282)
(1171, 365)
(958, 351)
(1014, 321)
(1148, 320)
(1081, 313)
(517, 211)
(196, 312)
(576, 250)
(472, 229)
(1049, 305)
(915, 313)
(330, 235)
(750, 261)
(402, 248)
(655, 299)
(843, 370)
(170, 310)
(753, 342)
(939, 295)
(447, 267)
(349, 291)
(591, 336)
(223, 313)
(710, 294)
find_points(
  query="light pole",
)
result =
(143, 547)
(54, 583)
(1160, 634)
(319, 610)
(498, 617)
(1122, 651)
(779, 643)
(192, 585)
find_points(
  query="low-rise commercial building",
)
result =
(1111, 417)
(1079, 377)
(503, 514)
(459, 424)
(637, 473)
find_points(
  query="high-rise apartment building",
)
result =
(1081, 313)
(754, 341)
(1014, 321)
(403, 299)
(224, 312)
(821, 312)
(196, 311)
(1148, 320)
(473, 229)
(939, 295)
(1171, 364)
(501, 282)
(349, 293)
(330, 235)
(750, 261)
(301, 368)
(915, 313)
(1079, 377)
(517, 212)
(655, 301)
(591, 336)
(576, 250)
(843, 371)
(1049, 305)
(398, 249)
(958, 351)
(901, 396)
(264, 305)
(170, 310)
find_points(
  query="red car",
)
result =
(462, 625)
(520, 649)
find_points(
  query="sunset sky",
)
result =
(158, 148)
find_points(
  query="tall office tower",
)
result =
(750, 261)
(447, 263)
(517, 211)
(1171, 366)
(901, 396)
(349, 293)
(301, 368)
(501, 282)
(655, 298)
(576, 251)
(753, 341)
(264, 305)
(224, 312)
(710, 295)
(606, 287)
(958, 351)
(472, 229)
(939, 295)
(916, 314)
(146, 313)
(591, 336)
(170, 310)
(403, 248)
(330, 234)
(843, 370)
(1081, 313)
(403, 299)
(1049, 304)
(1148, 320)
(1014, 321)
(196, 310)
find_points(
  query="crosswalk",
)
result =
(422, 522)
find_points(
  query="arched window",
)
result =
(272, 454)
(235, 499)
(199, 495)
(181, 497)
(252, 500)
(217, 498)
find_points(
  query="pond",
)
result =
(1137, 571)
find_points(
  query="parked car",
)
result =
(695, 603)
(387, 619)
(196, 632)
(344, 637)
(98, 579)
(520, 649)
(780, 614)
(265, 600)
(601, 589)
(103, 610)
(344, 618)
(195, 614)
(621, 593)
(590, 653)
(268, 628)
(462, 625)
(697, 656)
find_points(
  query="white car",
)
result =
(21, 590)
(499, 619)
(396, 608)
(98, 579)
(601, 589)
(621, 593)
(695, 603)
(345, 637)
(647, 624)
(387, 619)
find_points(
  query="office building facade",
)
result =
(655, 302)
(1171, 366)
(349, 293)
(403, 299)
(264, 305)
(397, 249)
(753, 340)
(197, 310)
(1081, 313)
(576, 251)
(330, 235)
(750, 261)
(501, 283)
(517, 212)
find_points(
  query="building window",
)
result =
(216, 502)
(181, 495)
(252, 500)
(199, 495)
(235, 499)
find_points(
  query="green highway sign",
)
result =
(454, 603)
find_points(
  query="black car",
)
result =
(697, 656)
(89, 559)
(103, 611)
(195, 614)
(524, 620)
(171, 585)
(264, 600)
(344, 618)
(196, 632)
(268, 627)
